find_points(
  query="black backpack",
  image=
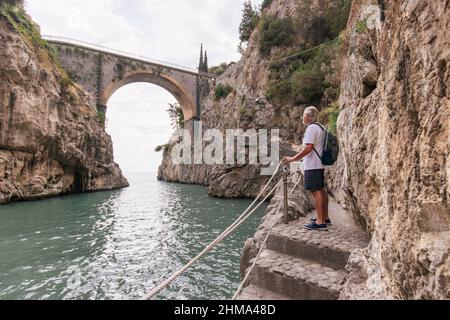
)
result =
(330, 147)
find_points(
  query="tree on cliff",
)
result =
(265, 4)
(203, 64)
(176, 116)
(19, 3)
(250, 18)
(220, 69)
(200, 64)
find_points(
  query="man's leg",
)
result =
(325, 204)
(318, 199)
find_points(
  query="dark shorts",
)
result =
(315, 179)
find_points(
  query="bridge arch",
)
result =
(102, 71)
(179, 92)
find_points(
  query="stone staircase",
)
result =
(305, 265)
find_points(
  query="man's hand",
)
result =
(307, 150)
(287, 160)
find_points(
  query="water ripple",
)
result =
(118, 244)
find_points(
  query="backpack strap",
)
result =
(323, 129)
(317, 154)
(318, 124)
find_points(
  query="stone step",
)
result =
(296, 278)
(331, 249)
(253, 292)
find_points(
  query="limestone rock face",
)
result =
(51, 141)
(223, 181)
(245, 108)
(394, 129)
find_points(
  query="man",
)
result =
(313, 167)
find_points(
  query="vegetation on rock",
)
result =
(219, 70)
(222, 91)
(17, 18)
(250, 18)
(101, 118)
(275, 32)
(329, 116)
(265, 4)
(162, 147)
(308, 71)
(361, 26)
(176, 116)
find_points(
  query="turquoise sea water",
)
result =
(118, 244)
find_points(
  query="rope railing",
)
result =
(242, 218)
(263, 244)
(124, 54)
(307, 50)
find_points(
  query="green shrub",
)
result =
(266, 4)
(319, 32)
(222, 91)
(66, 82)
(309, 85)
(22, 24)
(275, 32)
(337, 18)
(361, 26)
(162, 147)
(250, 18)
(101, 118)
(75, 115)
(219, 70)
(302, 79)
(329, 117)
(19, 20)
(309, 72)
(176, 116)
(280, 91)
(317, 27)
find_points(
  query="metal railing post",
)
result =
(285, 187)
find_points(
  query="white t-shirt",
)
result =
(314, 135)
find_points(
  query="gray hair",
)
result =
(312, 113)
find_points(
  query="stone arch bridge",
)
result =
(102, 71)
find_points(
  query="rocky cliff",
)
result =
(248, 105)
(394, 128)
(51, 140)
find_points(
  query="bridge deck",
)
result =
(120, 53)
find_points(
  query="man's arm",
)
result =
(306, 150)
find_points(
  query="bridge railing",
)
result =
(124, 54)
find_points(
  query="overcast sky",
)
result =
(167, 30)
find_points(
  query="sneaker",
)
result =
(316, 227)
(328, 221)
